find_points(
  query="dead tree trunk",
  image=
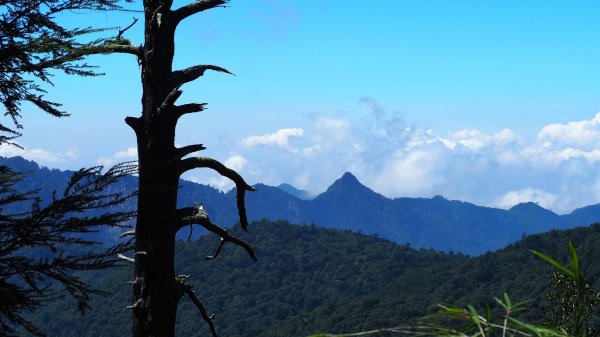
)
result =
(157, 289)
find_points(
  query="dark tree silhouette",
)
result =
(42, 249)
(39, 249)
(157, 289)
(32, 44)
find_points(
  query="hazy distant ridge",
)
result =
(347, 204)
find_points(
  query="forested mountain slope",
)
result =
(513, 270)
(310, 279)
(299, 269)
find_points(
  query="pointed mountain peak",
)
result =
(530, 205)
(531, 208)
(348, 178)
(347, 183)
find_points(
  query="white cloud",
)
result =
(414, 173)
(331, 123)
(40, 156)
(581, 134)
(507, 137)
(236, 162)
(279, 138)
(560, 143)
(477, 140)
(560, 168)
(529, 194)
(129, 154)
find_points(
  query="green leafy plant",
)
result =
(572, 298)
(490, 323)
(471, 323)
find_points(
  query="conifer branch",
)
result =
(121, 48)
(108, 48)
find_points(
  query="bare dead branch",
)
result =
(135, 123)
(170, 100)
(217, 252)
(186, 75)
(191, 232)
(241, 206)
(196, 7)
(241, 185)
(181, 110)
(184, 151)
(205, 162)
(193, 215)
(186, 289)
(135, 20)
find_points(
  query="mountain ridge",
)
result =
(439, 223)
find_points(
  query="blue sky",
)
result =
(492, 102)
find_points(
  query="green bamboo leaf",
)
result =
(452, 311)
(537, 330)
(574, 260)
(507, 301)
(474, 315)
(502, 304)
(555, 264)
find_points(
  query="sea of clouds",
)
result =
(558, 168)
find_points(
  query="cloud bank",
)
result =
(559, 167)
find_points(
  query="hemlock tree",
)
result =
(157, 288)
(32, 44)
(44, 244)
(41, 250)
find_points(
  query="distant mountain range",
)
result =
(436, 222)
